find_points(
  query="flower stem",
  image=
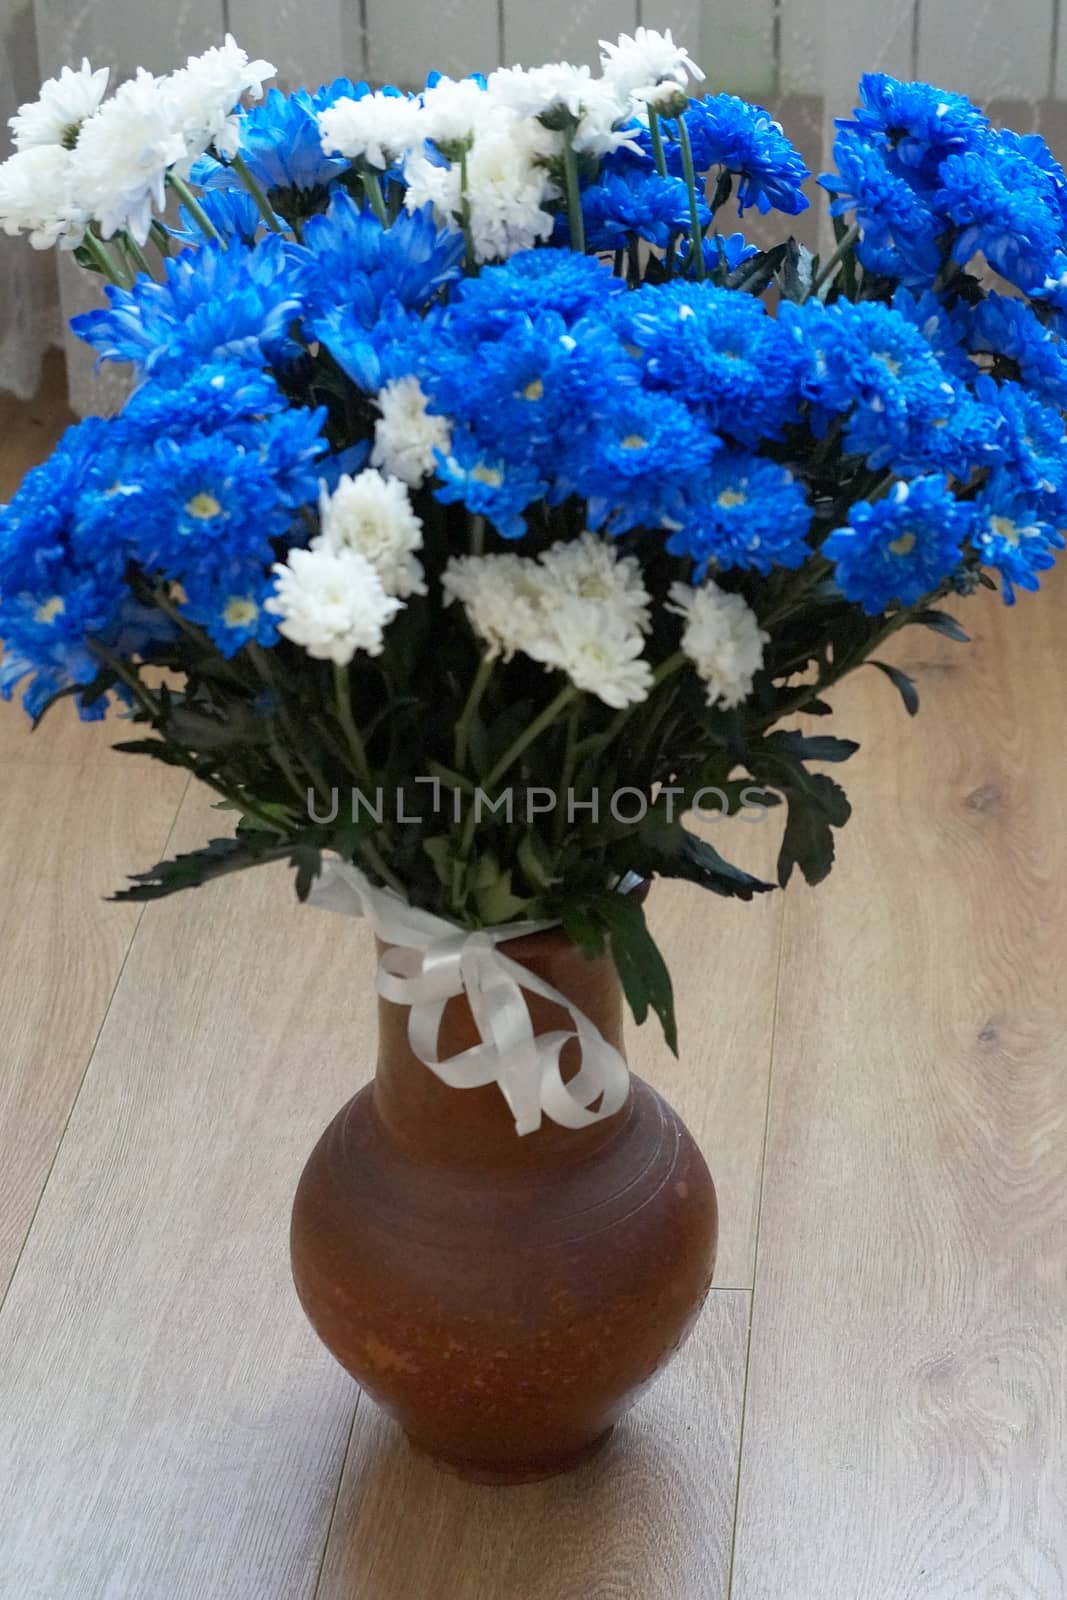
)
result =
(574, 199)
(255, 189)
(473, 701)
(160, 238)
(694, 205)
(529, 734)
(195, 209)
(465, 214)
(657, 142)
(373, 190)
(109, 265)
(343, 687)
(828, 271)
(135, 254)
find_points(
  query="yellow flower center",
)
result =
(889, 361)
(239, 612)
(203, 506)
(533, 390)
(634, 441)
(50, 610)
(732, 497)
(903, 546)
(1004, 528)
(489, 475)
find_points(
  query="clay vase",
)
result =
(505, 1299)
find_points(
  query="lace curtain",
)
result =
(801, 57)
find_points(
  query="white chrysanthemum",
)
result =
(635, 65)
(64, 103)
(452, 110)
(204, 94)
(722, 638)
(597, 647)
(37, 197)
(123, 156)
(591, 569)
(332, 603)
(560, 87)
(377, 129)
(373, 515)
(428, 184)
(407, 435)
(507, 189)
(502, 596)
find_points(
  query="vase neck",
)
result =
(475, 1128)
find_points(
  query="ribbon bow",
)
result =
(430, 961)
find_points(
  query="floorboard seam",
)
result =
(755, 1252)
(336, 1498)
(89, 1055)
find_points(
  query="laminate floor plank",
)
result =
(170, 1427)
(906, 1421)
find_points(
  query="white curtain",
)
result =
(801, 57)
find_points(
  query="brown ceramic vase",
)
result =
(505, 1299)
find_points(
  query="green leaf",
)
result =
(214, 860)
(537, 862)
(156, 749)
(902, 683)
(811, 747)
(307, 859)
(942, 622)
(642, 970)
(807, 843)
(581, 927)
(677, 853)
(493, 893)
(440, 850)
(794, 276)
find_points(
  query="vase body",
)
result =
(505, 1299)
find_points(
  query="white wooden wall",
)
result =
(992, 49)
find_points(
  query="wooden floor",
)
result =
(875, 1404)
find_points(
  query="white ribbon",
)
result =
(430, 961)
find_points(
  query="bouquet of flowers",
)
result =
(484, 503)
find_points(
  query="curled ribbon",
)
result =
(430, 961)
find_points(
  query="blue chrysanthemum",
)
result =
(633, 202)
(748, 512)
(869, 362)
(900, 231)
(392, 344)
(998, 206)
(726, 252)
(920, 123)
(745, 139)
(230, 609)
(347, 259)
(1012, 534)
(942, 331)
(61, 585)
(900, 548)
(539, 378)
(214, 304)
(1007, 328)
(207, 398)
(281, 141)
(721, 351)
(488, 486)
(533, 281)
(632, 466)
(1030, 437)
(232, 213)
